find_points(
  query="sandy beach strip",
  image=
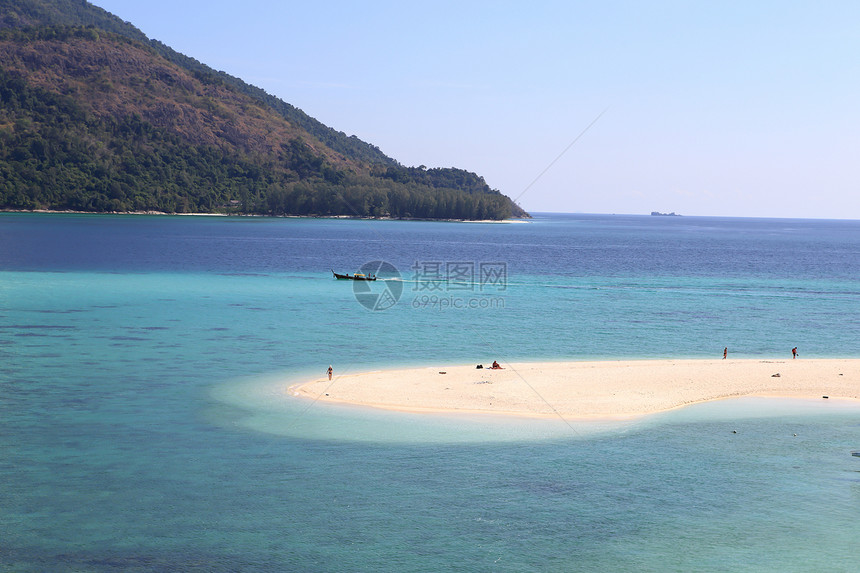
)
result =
(581, 390)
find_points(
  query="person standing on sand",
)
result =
(329, 371)
(725, 352)
(794, 352)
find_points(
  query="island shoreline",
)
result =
(259, 215)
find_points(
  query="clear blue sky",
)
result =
(735, 108)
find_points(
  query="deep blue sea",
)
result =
(145, 424)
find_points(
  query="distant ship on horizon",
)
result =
(659, 214)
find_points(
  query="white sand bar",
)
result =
(611, 389)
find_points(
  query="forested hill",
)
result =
(94, 116)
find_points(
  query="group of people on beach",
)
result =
(496, 366)
(726, 352)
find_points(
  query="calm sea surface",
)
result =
(144, 424)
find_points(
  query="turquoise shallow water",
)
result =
(143, 363)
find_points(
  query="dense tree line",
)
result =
(370, 199)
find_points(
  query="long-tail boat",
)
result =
(354, 277)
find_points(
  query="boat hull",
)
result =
(355, 277)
